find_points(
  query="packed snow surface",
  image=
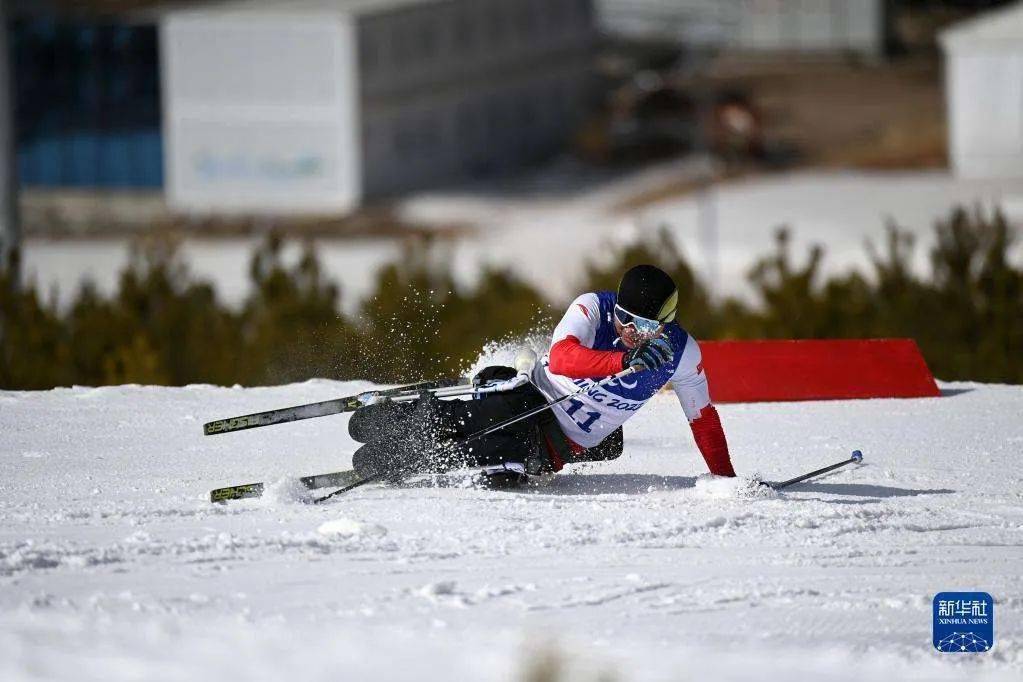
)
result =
(114, 565)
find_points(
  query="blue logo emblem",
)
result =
(964, 622)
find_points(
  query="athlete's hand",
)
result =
(651, 355)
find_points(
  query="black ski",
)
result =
(311, 410)
(253, 490)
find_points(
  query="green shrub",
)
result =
(162, 327)
(34, 351)
(289, 327)
(967, 316)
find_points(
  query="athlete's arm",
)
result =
(571, 353)
(690, 384)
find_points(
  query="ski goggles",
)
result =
(644, 326)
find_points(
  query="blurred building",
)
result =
(291, 105)
(751, 25)
(311, 105)
(984, 94)
(88, 108)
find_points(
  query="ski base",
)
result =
(336, 479)
(320, 409)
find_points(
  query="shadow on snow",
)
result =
(615, 484)
(864, 490)
(642, 484)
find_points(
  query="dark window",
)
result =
(429, 132)
(402, 44)
(495, 119)
(464, 27)
(427, 40)
(558, 10)
(496, 23)
(465, 121)
(88, 104)
(583, 8)
(526, 20)
(369, 54)
(527, 112)
(404, 138)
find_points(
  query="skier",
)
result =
(600, 334)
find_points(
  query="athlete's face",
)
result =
(632, 338)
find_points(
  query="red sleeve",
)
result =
(570, 358)
(710, 438)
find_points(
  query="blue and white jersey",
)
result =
(595, 413)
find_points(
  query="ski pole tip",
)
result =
(857, 456)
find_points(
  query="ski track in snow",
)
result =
(114, 565)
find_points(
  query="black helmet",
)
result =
(647, 291)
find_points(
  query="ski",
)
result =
(490, 429)
(254, 490)
(320, 409)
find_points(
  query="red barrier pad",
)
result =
(765, 371)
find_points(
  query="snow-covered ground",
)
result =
(114, 566)
(722, 231)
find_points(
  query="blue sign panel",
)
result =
(964, 622)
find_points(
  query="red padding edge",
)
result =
(763, 371)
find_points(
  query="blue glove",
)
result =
(651, 355)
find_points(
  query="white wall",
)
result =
(984, 94)
(261, 112)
